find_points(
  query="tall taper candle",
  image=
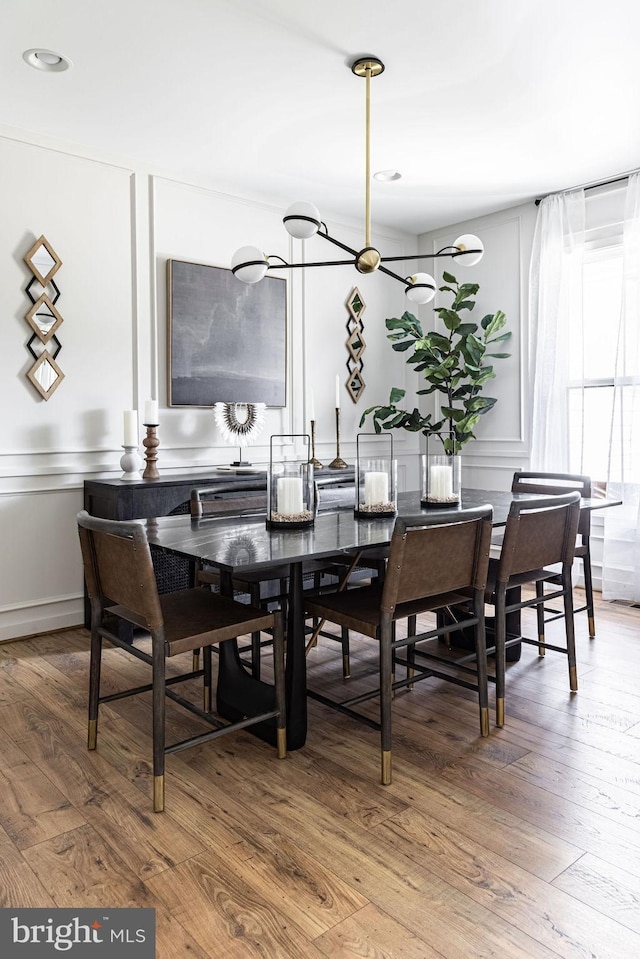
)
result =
(131, 437)
(150, 413)
(337, 391)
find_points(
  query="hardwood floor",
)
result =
(525, 844)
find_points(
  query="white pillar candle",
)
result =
(150, 413)
(337, 391)
(441, 482)
(376, 488)
(131, 428)
(289, 495)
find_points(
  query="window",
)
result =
(593, 360)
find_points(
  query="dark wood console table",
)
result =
(116, 499)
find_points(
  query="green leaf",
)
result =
(396, 395)
(448, 278)
(452, 414)
(494, 323)
(450, 319)
(500, 356)
(469, 289)
(437, 341)
(402, 347)
(463, 304)
(466, 328)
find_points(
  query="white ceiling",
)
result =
(483, 103)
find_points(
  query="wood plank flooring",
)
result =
(525, 844)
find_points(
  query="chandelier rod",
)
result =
(367, 175)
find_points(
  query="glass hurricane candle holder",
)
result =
(290, 493)
(441, 477)
(376, 479)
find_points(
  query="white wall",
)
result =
(114, 225)
(502, 443)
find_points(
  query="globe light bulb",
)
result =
(249, 264)
(421, 289)
(469, 242)
(302, 220)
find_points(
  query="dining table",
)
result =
(243, 543)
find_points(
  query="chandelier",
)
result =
(302, 221)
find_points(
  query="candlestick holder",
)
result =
(317, 465)
(338, 463)
(151, 444)
(130, 462)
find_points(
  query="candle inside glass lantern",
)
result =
(376, 488)
(289, 496)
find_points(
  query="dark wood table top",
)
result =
(245, 542)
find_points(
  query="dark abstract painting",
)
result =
(226, 339)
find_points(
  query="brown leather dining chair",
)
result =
(121, 586)
(525, 481)
(263, 588)
(540, 533)
(435, 560)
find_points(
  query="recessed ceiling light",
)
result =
(47, 60)
(387, 175)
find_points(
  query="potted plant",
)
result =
(453, 364)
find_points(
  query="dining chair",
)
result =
(540, 533)
(121, 585)
(436, 559)
(525, 481)
(343, 570)
(263, 588)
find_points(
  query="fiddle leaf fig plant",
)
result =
(453, 364)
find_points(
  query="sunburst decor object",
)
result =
(240, 424)
(302, 220)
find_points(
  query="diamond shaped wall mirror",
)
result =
(43, 317)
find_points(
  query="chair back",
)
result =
(334, 496)
(436, 553)
(118, 568)
(554, 484)
(539, 533)
(221, 501)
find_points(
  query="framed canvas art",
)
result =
(227, 340)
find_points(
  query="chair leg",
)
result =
(206, 687)
(588, 589)
(94, 686)
(570, 631)
(500, 628)
(159, 706)
(279, 684)
(540, 616)
(386, 695)
(346, 661)
(481, 669)
(254, 595)
(411, 648)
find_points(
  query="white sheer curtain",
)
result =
(556, 317)
(555, 296)
(621, 561)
